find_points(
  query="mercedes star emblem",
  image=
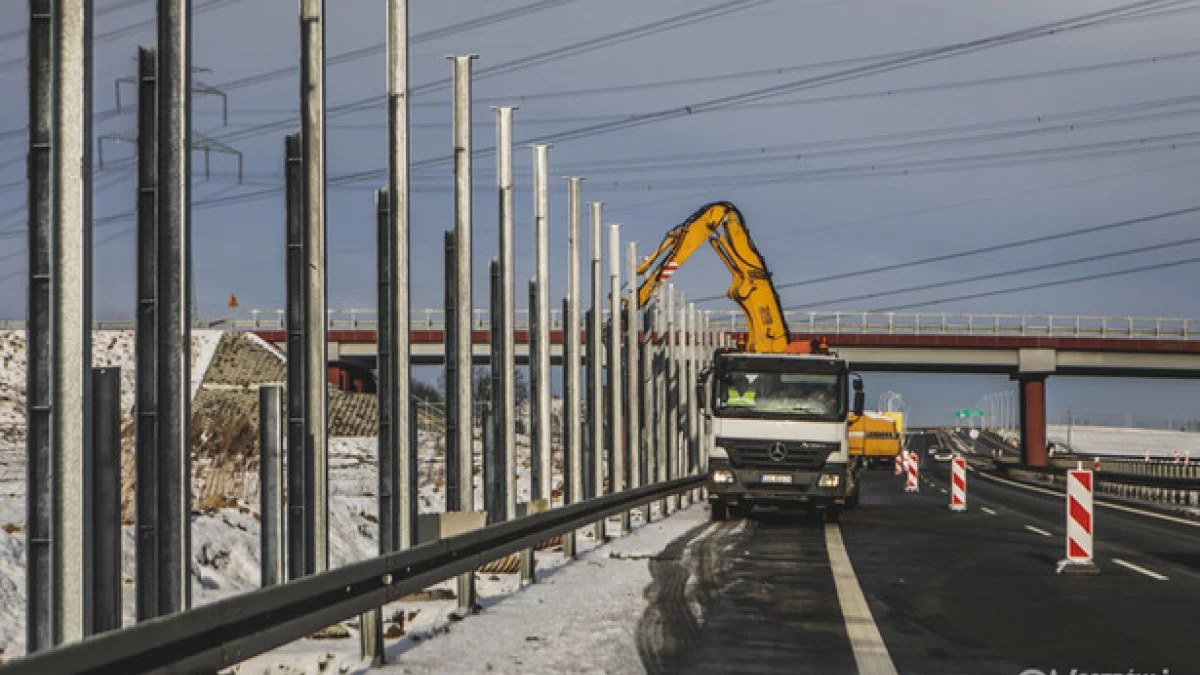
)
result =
(777, 452)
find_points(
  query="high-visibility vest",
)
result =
(734, 397)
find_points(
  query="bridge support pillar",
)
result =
(1033, 419)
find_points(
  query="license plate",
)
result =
(776, 478)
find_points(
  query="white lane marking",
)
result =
(987, 510)
(1137, 568)
(943, 490)
(870, 652)
(1038, 530)
(1109, 505)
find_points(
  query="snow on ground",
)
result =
(1126, 441)
(580, 616)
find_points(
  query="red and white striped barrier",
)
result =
(1176, 456)
(914, 474)
(901, 458)
(958, 488)
(669, 269)
(1095, 464)
(1147, 454)
(1080, 524)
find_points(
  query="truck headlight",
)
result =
(829, 480)
(722, 476)
(717, 452)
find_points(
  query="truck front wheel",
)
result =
(719, 511)
(833, 513)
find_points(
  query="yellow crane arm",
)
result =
(722, 226)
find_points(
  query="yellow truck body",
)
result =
(875, 434)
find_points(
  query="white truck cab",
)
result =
(780, 433)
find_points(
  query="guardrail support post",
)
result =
(105, 506)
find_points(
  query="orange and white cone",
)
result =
(914, 474)
(1080, 525)
(958, 487)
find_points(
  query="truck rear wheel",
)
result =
(719, 511)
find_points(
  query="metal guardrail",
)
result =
(825, 323)
(226, 632)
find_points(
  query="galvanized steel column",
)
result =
(297, 428)
(270, 443)
(463, 278)
(402, 474)
(506, 410)
(146, 343)
(462, 382)
(573, 450)
(595, 368)
(174, 305)
(312, 152)
(633, 401)
(616, 421)
(105, 504)
(542, 459)
(671, 450)
(693, 361)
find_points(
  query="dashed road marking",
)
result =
(943, 490)
(870, 652)
(1138, 568)
(1038, 530)
(987, 510)
(1101, 502)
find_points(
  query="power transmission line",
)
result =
(1045, 284)
(997, 275)
(994, 248)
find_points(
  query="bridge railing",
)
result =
(819, 323)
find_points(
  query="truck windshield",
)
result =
(812, 396)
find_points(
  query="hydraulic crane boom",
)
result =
(722, 226)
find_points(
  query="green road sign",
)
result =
(978, 413)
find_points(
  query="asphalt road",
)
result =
(972, 592)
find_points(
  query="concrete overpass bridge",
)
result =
(1027, 348)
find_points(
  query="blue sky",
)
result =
(650, 177)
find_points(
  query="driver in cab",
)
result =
(740, 392)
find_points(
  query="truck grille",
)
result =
(767, 454)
